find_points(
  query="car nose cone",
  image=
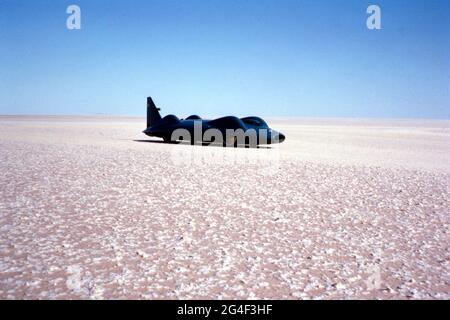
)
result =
(277, 137)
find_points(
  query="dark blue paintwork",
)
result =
(164, 127)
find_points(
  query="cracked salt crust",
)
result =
(342, 209)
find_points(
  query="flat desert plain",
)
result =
(91, 208)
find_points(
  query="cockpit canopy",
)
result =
(255, 122)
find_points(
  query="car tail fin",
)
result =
(153, 115)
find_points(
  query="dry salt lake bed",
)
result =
(344, 208)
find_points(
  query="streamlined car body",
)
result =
(229, 131)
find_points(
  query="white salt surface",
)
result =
(342, 209)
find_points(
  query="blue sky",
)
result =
(220, 57)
